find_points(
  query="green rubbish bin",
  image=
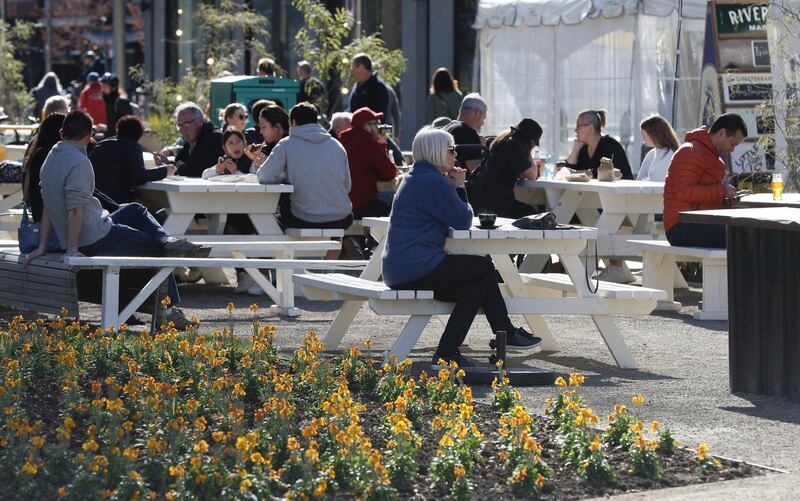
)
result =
(248, 89)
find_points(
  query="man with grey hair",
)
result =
(312, 90)
(55, 104)
(202, 142)
(340, 122)
(370, 91)
(466, 128)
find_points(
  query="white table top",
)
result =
(503, 231)
(198, 185)
(765, 200)
(623, 186)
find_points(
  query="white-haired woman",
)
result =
(431, 200)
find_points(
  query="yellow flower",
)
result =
(368, 343)
(90, 445)
(595, 445)
(459, 471)
(30, 468)
(37, 442)
(130, 453)
(201, 447)
(230, 307)
(655, 426)
(177, 471)
(245, 485)
(637, 399)
(292, 444)
(540, 479)
(702, 451)
(446, 441)
(218, 436)
(320, 489)
(560, 382)
(575, 379)
(254, 307)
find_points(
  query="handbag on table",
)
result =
(541, 221)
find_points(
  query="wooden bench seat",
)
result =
(47, 285)
(338, 286)
(658, 262)
(314, 232)
(610, 290)
(12, 266)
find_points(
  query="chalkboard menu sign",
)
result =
(760, 53)
(746, 88)
(741, 19)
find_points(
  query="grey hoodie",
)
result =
(316, 165)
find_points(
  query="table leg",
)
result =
(563, 203)
(216, 223)
(10, 201)
(266, 224)
(349, 310)
(510, 274)
(614, 341)
(605, 323)
(178, 224)
(657, 274)
(408, 337)
(110, 312)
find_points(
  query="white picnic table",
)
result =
(638, 201)
(187, 197)
(528, 294)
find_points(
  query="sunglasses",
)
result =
(187, 123)
(241, 116)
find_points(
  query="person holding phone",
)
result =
(369, 162)
(234, 160)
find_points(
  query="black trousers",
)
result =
(376, 208)
(697, 235)
(471, 283)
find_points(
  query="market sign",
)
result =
(746, 88)
(741, 19)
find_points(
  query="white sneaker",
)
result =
(616, 274)
(243, 283)
(256, 290)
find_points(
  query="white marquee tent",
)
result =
(550, 59)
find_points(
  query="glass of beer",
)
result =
(777, 186)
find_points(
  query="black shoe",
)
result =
(456, 357)
(183, 248)
(520, 339)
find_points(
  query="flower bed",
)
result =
(91, 414)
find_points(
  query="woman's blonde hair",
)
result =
(661, 132)
(431, 145)
(595, 118)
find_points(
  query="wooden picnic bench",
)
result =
(658, 263)
(530, 295)
(420, 306)
(65, 291)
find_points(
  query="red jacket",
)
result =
(91, 101)
(369, 163)
(694, 178)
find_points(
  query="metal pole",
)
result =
(48, 37)
(677, 69)
(118, 24)
(358, 19)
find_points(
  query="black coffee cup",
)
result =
(487, 219)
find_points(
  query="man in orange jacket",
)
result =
(696, 181)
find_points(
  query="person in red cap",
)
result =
(91, 99)
(368, 157)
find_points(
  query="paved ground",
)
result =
(683, 374)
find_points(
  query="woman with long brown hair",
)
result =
(657, 134)
(444, 98)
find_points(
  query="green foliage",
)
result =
(667, 445)
(322, 42)
(219, 51)
(14, 97)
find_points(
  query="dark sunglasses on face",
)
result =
(241, 116)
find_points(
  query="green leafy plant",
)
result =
(322, 41)
(219, 50)
(14, 98)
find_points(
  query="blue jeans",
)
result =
(698, 235)
(134, 233)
